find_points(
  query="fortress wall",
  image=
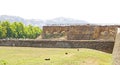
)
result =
(81, 32)
(92, 33)
(116, 50)
(105, 46)
(54, 31)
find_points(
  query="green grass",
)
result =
(36, 56)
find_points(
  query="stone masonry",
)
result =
(81, 32)
(116, 50)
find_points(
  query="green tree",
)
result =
(18, 30)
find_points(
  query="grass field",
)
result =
(37, 56)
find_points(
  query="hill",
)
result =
(40, 23)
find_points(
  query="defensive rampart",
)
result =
(81, 32)
(105, 46)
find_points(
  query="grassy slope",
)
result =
(36, 56)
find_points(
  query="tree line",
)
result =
(18, 30)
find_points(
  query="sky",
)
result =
(93, 11)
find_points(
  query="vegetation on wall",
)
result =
(18, 30)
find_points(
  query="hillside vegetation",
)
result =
(18, 30)
(52, 56)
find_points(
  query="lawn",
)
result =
(52, 56)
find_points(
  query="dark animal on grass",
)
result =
(66, 53)
(77, 49)
(47, 58)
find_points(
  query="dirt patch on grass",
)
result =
(89, 61)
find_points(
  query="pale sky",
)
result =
(93, 11)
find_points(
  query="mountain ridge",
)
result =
(41, 23)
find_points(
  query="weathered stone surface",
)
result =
(105, 46)
(116, 50)
(54, 31)
(81, 32)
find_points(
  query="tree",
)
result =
(18, 30)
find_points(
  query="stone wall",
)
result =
(54, 31)
(105, 46)
(81, 32)
(92, 33)
(116, 50)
